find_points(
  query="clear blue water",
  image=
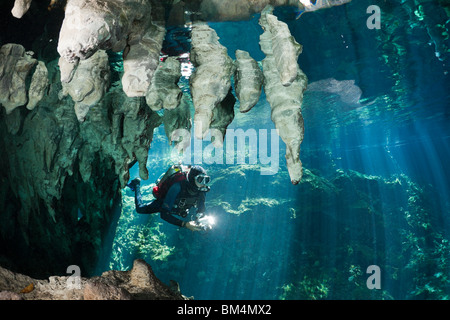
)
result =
(376, 186)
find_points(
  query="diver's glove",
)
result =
(136, 182)
(191, 225)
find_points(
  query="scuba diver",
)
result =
(176, 192)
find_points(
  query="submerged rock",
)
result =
(97, 290)
(211, 80)
(177, 125)
(15, 65)
(285, 101)
(248, 80)
(89, 83)
(39, 83)
(347, 90)
(164, 92)
(139, 283)
(321, 4)
(90, 25)
(233, 10)
(141, 56)
(20, 8)
(222, 117)
(132, 26)
(67, 69)
(59, 166)
(285, 49)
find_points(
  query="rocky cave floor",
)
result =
(139, 283)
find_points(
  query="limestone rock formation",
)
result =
(117, 25)
(134, 123)
(208, 10)
(59, 166)
(39, 83)
(97, 290)
(321, 4)
(20, 8)
(177, 125)
(67, 69)
(211, 80)
(89, 83)
(222, 117)
(284, 47)
(141, 56)
(15, 65)
(90, 25)
(233, 10)
(248, 80)
(347, 90)
(164, 91)
(285, 101)
(139, 283)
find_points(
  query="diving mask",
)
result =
(203, 179)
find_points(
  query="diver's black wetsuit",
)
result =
(180, 197)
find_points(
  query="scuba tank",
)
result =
(175, 173)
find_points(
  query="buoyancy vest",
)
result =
(186, 199)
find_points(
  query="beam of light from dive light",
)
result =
(206, 222)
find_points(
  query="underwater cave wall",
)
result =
(60, 176)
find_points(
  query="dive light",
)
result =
(205, 222)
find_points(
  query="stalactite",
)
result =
(285, 101)
(211, 80)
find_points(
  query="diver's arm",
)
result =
(171, 219)
(168, 203)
